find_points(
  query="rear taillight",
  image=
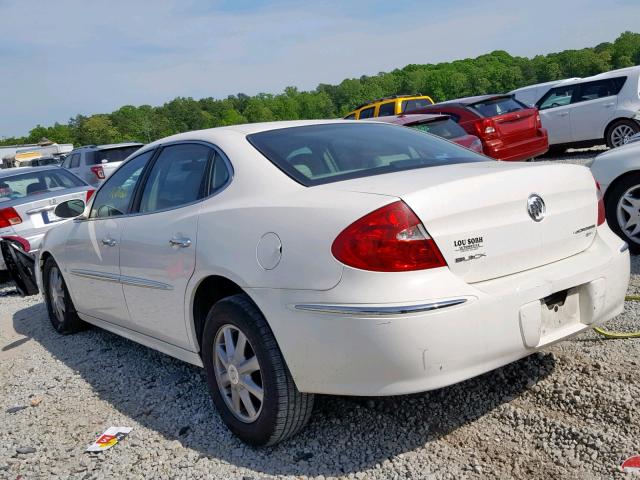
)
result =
(9, 217)
(601, 213)
(99, 172)
(390, 239)
(485, 127)
(538, 121)
(24, 243)
(89, 195)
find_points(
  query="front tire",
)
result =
(248, 378)
(619, 133)
(623, 210)
(62, 313)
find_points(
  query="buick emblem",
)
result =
(535, 207)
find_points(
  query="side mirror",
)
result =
(70, 209)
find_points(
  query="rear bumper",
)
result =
(381, 353)
(515, 151)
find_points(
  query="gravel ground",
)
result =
(571, 413)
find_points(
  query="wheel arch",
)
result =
(209, 290)
(616, 181)
(614, 121)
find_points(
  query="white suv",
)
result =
(94, 163)
(589, 110)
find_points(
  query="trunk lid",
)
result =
(36, 211)
(516, 126)
(477, 213)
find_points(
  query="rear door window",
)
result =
(557, 97)
(386, 109)
(497, 106)
(178, 177)
(75, 161)
(367, 113)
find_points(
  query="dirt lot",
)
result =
(571, 412)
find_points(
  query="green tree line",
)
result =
(495, 72)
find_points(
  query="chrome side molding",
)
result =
(376, 311)
(123, 279)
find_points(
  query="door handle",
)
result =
(607, 105)
(563, 114)
(109, 242)
(180, 242)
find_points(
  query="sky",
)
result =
(60, 58)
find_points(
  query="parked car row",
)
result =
(526, 122)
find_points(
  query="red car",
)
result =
(440, 125)
(508, 129)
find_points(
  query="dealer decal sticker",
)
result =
(631, 465)
(467, 246)
(109, 438)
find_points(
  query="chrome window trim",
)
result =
(217, 149)
(381, 310)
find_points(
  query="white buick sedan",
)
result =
(332, 257)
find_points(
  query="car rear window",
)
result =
(319, 154)
(445, 128)
(415, 104)
(36, 183)
(497, 106)
(114, 154)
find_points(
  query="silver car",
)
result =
(28, 197)
(94, 163)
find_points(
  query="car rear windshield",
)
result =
(497, 106)
(445, 128)
(114, 154)
(415, 104)
(36, 183)
(318, 154)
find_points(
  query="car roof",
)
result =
(9, 172)
(545, 84)
(465, 101)
(407, 118)
(109, 146)
(604, 75)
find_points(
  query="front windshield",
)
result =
(318, 154)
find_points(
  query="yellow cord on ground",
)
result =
(621, 335)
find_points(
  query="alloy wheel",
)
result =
(621, 134)
(628, 213)
(238, 373)
(56, 293)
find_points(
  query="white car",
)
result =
(530, 94)
(588, 111)
(618, 173)
(332, 257)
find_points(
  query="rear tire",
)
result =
(62, 313)
(628, 186)
(619, 132)
(282, 411)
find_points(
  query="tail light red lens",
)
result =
(89, 195)
(538, 121)
(486, 128)
(24, 243)
(98, 171)
(601, 213)
(9, 217)
(390, 239)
